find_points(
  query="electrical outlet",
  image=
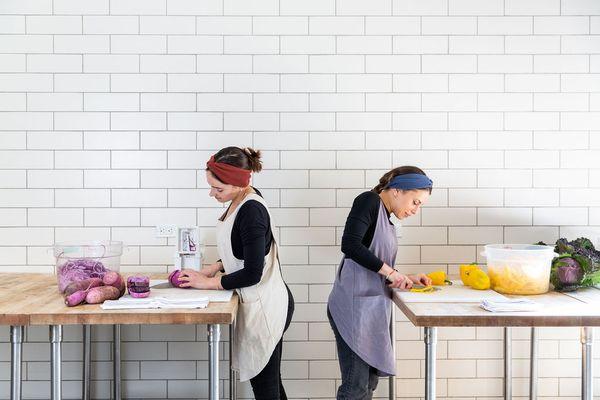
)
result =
(166, 230)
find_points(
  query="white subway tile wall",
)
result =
(110, 108)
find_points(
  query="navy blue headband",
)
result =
(410, 182)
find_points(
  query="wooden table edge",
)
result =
(139, 316)
(495, 319)
(14, 319)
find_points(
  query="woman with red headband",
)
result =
(249, 258)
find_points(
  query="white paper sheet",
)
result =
(128, 302)
(510, 305)
(162, 288)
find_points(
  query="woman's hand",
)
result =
(198, 280)
(400, 281)
(420, 279)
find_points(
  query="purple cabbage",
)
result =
(569, 271)
(577, 266)
(79, 269)
(138, 286)
(175, 281)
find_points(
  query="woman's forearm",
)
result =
(386, 270)
(214, 283)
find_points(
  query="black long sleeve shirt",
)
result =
(251, 239)
(360, 228)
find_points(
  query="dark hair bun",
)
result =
(253, 159)
(246, 158)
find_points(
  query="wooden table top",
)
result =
(558, 310)
(33, 299)
(15, 298)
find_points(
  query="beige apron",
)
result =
(262, 312)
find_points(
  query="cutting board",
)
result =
(589, 295)
(455, 293)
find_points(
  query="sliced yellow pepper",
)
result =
(439, 278)
(423, 289)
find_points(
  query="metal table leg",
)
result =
(533, 365)
(87, 342)
(392, 379)
(430, 356)
(55, 361)
(16, 353)
(507, 363)
(587, 375)
(214, 333)
(232, 374)
(117, 362)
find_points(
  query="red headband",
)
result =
(229, 174)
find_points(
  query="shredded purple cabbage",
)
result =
(79, 269)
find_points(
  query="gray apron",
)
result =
(360, 302)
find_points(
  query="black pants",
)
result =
(267, 384)
(359, 379)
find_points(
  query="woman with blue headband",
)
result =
(359, 305)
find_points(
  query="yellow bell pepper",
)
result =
(478, 279)
(464, 272)
(439, 278)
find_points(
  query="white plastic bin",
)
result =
(86, 259)
(519, 268)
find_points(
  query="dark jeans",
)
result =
(267, 384)
(359, 379)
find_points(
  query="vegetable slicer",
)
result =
(188, 253)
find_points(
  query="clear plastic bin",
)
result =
(86, 259)
(519, 268)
